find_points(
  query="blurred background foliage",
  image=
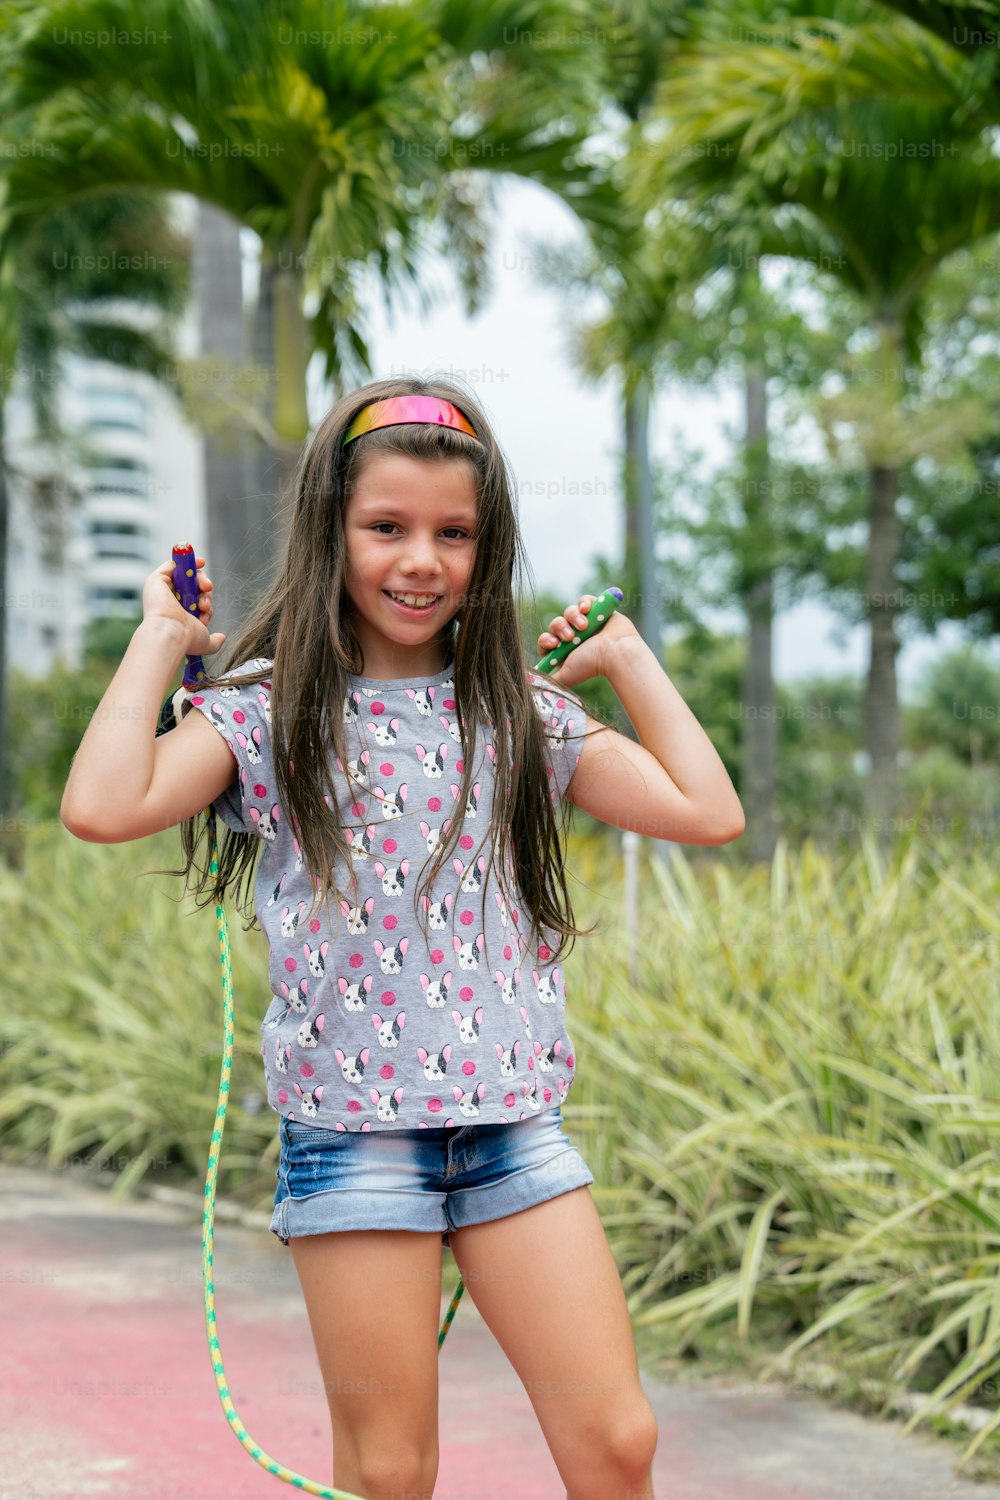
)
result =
(791, 1107)
(951, 743)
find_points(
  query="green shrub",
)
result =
(790, 1107)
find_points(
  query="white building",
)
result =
(88, 527)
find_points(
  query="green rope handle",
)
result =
(310, 1486)
(598, 615)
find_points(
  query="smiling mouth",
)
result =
(419, 603)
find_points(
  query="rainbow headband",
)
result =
(396, 410)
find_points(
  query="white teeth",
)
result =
(417, 599)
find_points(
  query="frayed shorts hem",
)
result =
(546, 1174)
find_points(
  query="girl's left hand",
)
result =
(591, 657)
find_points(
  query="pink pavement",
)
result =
(107, 1388)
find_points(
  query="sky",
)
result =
(562, 435)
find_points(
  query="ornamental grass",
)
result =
(792, 1112)
(788, 1096)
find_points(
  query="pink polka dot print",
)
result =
(392, 929)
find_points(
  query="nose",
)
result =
(421, 559)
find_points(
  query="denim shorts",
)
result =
(434, 1180)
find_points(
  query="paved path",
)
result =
(106, 1388)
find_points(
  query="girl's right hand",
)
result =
(159, 599)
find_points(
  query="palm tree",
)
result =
(643, 275)
(55, 291)
(970, 25)
(646, 254)
(709, 316)
(638, 288)
(925, 53)
(345, 135)
(879, 194)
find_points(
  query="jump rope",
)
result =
(185, 584)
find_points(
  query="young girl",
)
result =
(382, 743)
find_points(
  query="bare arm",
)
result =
(673, 784)
(107, 792)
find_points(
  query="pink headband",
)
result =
(396, 410)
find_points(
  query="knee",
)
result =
(612, 1453)
(630, 1440)
(384, 1475)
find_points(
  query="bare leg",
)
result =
(547, 1286)
(374, 1297)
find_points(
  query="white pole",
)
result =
(630, 850)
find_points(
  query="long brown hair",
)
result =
(303, 626)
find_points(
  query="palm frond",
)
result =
(741, 93)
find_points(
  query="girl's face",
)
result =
(409, 525)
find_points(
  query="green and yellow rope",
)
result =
(309, 1486)
(603, 607)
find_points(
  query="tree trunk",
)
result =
(12, 826)
(631, 582)
(760, 737)
(881, 703)
(237, 516)
(291, 347)
(649, 601)
(281, 348)
(640, 582)
(6, 790)
(639, 585)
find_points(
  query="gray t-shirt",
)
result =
(372, 1026)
